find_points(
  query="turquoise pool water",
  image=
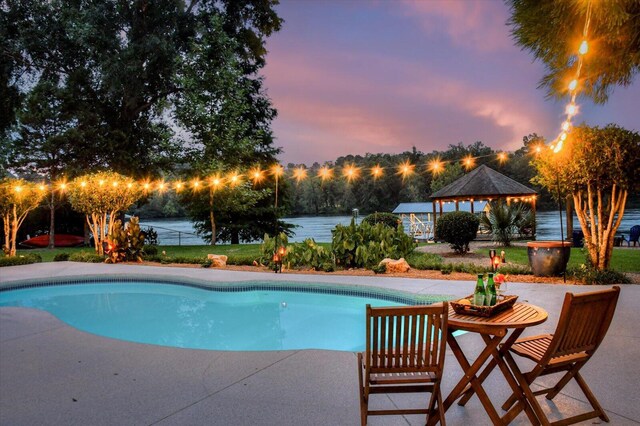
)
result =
(187, 317)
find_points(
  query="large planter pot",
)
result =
(548, 258)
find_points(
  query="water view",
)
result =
(181, 231)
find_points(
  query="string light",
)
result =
(584, 47)
(325, 173)
(468, 162)
(572, 108)
(299, 174)
(405, 169)
(436, 166)
(376, 171)
(350, 172)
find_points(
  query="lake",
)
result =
(181, 232)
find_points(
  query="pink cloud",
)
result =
(477, 25)
(329, 110)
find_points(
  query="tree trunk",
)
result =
(52, 221)
(212, 219)
(599, 231)
(14, 232)
(6, 222)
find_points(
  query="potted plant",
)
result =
(548, 258)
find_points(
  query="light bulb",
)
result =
(573, 85)
(572, 109)
(566, 125)
(584, 47)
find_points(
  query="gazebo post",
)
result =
(433, 203)
(456, 204)
(471, 202)
(533, 210)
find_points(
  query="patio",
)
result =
(51, 373)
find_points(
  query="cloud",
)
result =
(326, 108)
(477, 25)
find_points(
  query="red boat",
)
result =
(60, 240)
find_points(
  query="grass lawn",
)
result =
(622, 260)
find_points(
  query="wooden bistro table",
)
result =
(493, 331)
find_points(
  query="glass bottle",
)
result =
(479, 292)
(491, 294)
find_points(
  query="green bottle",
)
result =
(479, 293)
(492, 296)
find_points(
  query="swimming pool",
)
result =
(235, 317)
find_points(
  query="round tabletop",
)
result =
(521, 315)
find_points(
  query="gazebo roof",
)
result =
(483, 182)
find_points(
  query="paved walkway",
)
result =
(53, 374)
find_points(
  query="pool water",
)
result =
(187, 317)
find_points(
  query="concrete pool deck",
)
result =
(53, 374)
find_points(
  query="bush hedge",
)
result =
(458, 229)
(20, 260)
(389, 219)
(87, 257)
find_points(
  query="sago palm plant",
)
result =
(506, 221)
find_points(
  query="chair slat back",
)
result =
(584, 321)
(406, 338)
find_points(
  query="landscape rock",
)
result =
(217, 260)
(399, 265)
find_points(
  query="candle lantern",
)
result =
(496, 262)
(503, 257)
(277, 258)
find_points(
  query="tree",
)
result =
(553, 31)
(101, 197)
(451, 173)
(121, 66)
(598, 168)
(17, 198)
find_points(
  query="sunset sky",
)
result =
(357, 76)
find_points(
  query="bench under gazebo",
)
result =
(482, 184)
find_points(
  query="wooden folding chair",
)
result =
(583, 323)
(405, 348)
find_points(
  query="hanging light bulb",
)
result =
(566, 125)
(563, 136)
(376, 171)
(572, 109)
(325, 173)
(573, 84)
(558, 147)
(584, 47)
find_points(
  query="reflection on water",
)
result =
(180, 231)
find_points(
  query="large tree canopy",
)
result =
(118, 67)
(552, 30)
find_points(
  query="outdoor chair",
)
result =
(634, 235)
(583, 323)
(405, 351)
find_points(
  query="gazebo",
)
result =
(483, 183)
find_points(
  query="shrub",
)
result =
(150, 250)
(424, 261)
(126, 243)
(83, 256)
(206, 263)
(388, 219)
(458, 229)
(20, 260)
(61, 257)
(507, 221)
(380, 268)
(269, 246)
(590, 276)
(150, 236)
(308, 253)
(366, 245)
